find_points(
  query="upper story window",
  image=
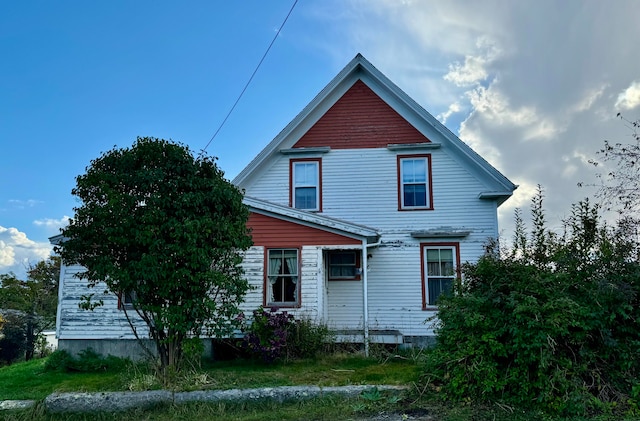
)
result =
(414, 182)
(440, 270)
(306, 185)
(282, 277)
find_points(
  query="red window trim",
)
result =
(423, 246)
(429, 183)
(358, 265)
(265, 287)
(291, 163)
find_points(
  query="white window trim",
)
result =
(427, 182)
(294, 186)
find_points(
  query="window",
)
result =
(305, 184)
(282, 277)
(127, 299)
(440, 267)
(343, 266)
(414, 182)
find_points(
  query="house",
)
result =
(362, 210)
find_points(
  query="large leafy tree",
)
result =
(30, 306)
(166, 227)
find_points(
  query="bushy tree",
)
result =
(165, 227)
(551, 323)
(32, 304)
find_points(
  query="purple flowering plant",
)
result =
(267, 336)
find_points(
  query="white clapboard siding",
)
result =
(104, 322)
(360, 185)
(310, 282)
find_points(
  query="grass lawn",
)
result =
(29, 380)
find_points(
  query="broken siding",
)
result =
(104, 322)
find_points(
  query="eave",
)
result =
(313, 220)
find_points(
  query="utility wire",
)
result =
(251, 78)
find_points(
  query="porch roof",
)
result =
(312, 219)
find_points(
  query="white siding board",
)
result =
(104, 322)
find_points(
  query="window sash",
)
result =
(414, 182)
(343, 265)
(440, 271)
(282, 276)
(306, 185)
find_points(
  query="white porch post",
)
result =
(365, 297)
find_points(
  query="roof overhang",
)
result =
(312, 219)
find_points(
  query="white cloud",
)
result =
(52, 225)
(17, 251)
(475, 67)
(453, 109)
(22, 204)
(590, 97)
(629, 98)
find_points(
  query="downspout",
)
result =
(365, 293)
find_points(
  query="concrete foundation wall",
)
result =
(123, 348)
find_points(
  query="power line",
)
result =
(251, 78)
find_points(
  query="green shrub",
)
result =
(306, 339)
(59, 360)
(275, 335)
(551, 324)
(88, 361)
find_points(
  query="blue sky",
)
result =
(533, 86)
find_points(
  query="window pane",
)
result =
(305, 198)
(415, 195)
(342, 258)
(306, 173)
(437, 287)
(414, 170)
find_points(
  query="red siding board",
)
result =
(360, 119)
(272, 232)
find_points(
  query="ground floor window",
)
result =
(282, 277)
(440, 269)
(344, 265)
(127, 299)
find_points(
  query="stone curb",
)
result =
(122, 401)
(15, 404)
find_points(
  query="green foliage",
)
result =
(59, 360)
(159, 222)
(13, 340)
(35, 300)
(87, 361)
(275, 335)
(552, 324)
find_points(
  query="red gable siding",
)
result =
(273, 232)
(360, 119)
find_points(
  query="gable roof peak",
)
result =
(359, 68)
